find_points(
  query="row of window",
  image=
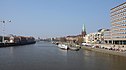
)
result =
(96, 35)
(119, 20)
(119, 37)
(117, 29)
(123, 24)
(119, 7)
(118, 15)
(119, 11)
(118, 26)
(107, 33)
(118, 32)
(122, 28)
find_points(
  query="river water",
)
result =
(46, 56)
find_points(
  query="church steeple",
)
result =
(83, 31)
(84, 28)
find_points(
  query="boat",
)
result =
(63, 46)
(74, 48)
(56, 43)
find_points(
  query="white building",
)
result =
(94, 38)
(107, 36)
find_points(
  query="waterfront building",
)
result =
(107, 36)
(118, 22)
(94, 38)
(77, 38)
(72, 38)
(88, 38)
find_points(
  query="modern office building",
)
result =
(118, 22)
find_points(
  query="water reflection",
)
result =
(106, 61)
(46, 56)
(11, 50)
(63, 52)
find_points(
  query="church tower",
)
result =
(83, 33)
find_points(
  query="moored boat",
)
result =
(74, 48)
(63, 46)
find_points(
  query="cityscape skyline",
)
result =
(53, 18)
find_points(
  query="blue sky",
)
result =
(55, 18)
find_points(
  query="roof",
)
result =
(119, 5)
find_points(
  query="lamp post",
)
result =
(4, 22)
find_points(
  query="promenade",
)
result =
(101, 50)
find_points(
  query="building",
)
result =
(94, 38)
(107, 36)
(118, 22)
(77, 38)
(71, 38)
(97, 37)
(83, 33)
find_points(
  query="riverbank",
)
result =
(7, 41)
(15, 44)
(97, 48)
(118, 53)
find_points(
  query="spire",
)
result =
(83, 31)
(84, 28)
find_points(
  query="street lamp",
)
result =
(4, 22)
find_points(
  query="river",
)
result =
(47, 56)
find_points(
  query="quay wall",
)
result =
(118, 53)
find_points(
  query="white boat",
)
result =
(63, 46)
(74, 48)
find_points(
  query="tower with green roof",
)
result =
(83, 33)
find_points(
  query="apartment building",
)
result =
(118, 22)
